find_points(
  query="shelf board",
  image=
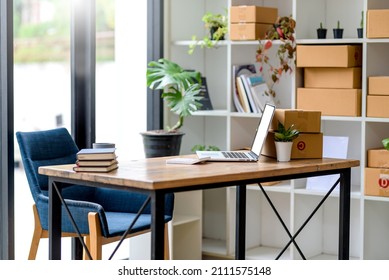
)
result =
(340, 118)
(184, 219)
(377, 198)
(221, 113)
(335, 193)
(266, 253)
(190, 42)
(330, 41)
(214, 247)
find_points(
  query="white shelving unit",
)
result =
(227, 129)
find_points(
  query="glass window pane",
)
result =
(41, 95)
(121, 58)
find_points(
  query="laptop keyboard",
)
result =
(235, 155)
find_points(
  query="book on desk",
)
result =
(96, 160)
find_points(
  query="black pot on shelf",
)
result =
(212, 30)
(360, 32)
(338, 33)
(321, 33)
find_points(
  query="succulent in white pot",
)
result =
(283, 138)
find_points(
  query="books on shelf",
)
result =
(204, 93)
(249, 89)
(96, 160)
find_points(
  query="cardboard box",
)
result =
(307, 145)
(378, 158)
(331, 102)
(378, 85)
(376, 181)
(248, 31)
(329, 55)
(304, 121)
(377, 23)
(253, 14)
(332, 77)
(377, 106)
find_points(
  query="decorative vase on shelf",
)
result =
(283, 150)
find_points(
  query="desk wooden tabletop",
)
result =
(154, 173)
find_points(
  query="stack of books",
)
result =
(96, 160)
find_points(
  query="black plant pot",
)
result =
(338, 33)
(360, 32)
(212, 30)
(157, 144)
(321, 33)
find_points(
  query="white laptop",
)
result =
(250, 155)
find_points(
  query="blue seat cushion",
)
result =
(118, 222)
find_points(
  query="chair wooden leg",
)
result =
(95, 242)
(166, 246)
(37, 235)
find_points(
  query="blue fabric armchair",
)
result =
(102, 215)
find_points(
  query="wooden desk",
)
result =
(156, 178)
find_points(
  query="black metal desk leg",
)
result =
(344, 214)
(157, 225)
(240, 233)
(54, 223)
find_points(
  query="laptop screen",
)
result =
(263, 128)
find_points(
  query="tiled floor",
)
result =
(24, 227)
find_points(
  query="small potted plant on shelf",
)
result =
(282, 30)
(181, 93)
(338, 32)
(283, 138)
(216, 25)
(321, 32)
(360, 29)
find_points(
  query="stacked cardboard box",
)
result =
(377, 172)
(251, 22)
(378, 97)
(309, 144)
(332, 79)
(377, 23)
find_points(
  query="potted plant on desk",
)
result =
(180, 92)
(283, 138)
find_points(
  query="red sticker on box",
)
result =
(383, 181)
(301, 145)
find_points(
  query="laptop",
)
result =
(249, 155)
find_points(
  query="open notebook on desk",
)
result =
(255, 151)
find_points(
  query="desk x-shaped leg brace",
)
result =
(292, 238)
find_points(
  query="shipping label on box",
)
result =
(253, 14)
(377, 23)
(306, 145)
(303, 120)
(378, 85)
(333, 77)
(248, 31)
(377, 106)
(378, 158)
(331, 102)
(329, 55)
(376, 181)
